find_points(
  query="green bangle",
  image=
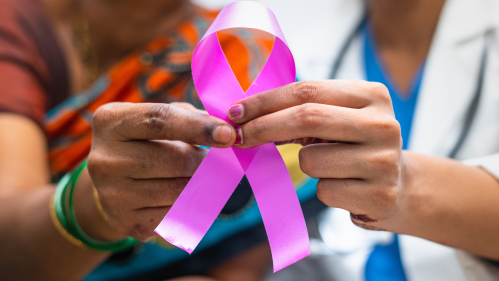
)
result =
(66, 215)
(58, 200)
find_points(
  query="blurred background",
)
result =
(61, 60)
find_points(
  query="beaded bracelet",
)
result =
(63, 206)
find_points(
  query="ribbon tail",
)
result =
(202, 200)
(279, 206)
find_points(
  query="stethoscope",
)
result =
(343, 237)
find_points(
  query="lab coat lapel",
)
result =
(450, 75)
(448, 85)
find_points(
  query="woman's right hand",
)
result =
(352, 144)
(143, 156)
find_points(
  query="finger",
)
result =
(338, 160)
(357, 196)
(321, 121)
(140, 206)
(342, 193)
(155, 159)
(130, 194)
(148, 121)
(349, 161)
(350, 94)
(152, 193)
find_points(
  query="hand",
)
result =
(353, 142)
(142, 157)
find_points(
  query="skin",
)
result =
(365, 173)
(448, 205)
(36, 250)
(363, 170)
(403, 31)
(131, 160)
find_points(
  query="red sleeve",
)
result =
(24, 71)
(20, 91)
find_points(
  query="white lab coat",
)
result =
(316, 30)
(448, 84)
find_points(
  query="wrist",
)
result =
(88, 214)
(426, 204)
(414, 202)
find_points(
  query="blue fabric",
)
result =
(403, 105)
(384, 262)
(155, 256)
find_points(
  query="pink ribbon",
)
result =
(221, 171)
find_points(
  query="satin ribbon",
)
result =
(222, 169)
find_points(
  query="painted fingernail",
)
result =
(239, 136)
(221, 134)
(236, 111)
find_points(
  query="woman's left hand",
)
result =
(352, 142)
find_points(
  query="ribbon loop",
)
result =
(221, 171)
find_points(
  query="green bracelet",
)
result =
(58, 200)
(67, 217)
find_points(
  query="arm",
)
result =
(31, 245)
(454, 204)
(353, 145)
(131, 168)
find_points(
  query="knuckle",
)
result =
(311, 117)
(105, 115)
(102, 161)
(380, 92)
(157, 117)
(186, 160)
(96, 163)
(387, 162)
(388, 128)
(306, 92)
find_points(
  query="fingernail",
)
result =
(236, 111)
(222, 134)
(239, 136)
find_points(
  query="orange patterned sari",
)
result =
(158, 72)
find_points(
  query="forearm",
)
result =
(32, 247)
(451, 204)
